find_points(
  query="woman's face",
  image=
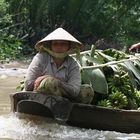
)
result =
(60, 46)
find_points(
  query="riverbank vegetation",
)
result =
(101, 22)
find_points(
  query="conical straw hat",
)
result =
(59, 34)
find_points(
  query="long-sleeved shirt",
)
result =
(68, 73)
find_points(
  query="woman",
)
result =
(52, 70)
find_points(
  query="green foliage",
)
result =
(137, 97)
(20, 87)
(87, 20)
(118, 100)
(114, 76)
(122, 94)
(120, 81)
(105, 103)
(96, 78)
(118, 55)
(10, 47)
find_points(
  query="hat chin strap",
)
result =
(59, 55)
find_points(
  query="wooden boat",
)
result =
(75, 114)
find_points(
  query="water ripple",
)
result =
(21, 127)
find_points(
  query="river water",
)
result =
(14, 126)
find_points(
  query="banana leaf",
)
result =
(132, 78)
(137, 63)
(96, 78)
(114, 68)
(83, 60)
(106, 57)
(132, 67)
(92, 60)
(92, 64)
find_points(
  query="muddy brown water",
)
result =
(10, 76)
(7, 86)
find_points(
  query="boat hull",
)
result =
(75, 114)
(100, 118)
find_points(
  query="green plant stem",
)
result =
(111, 63)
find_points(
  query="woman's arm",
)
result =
(135, 47)
(73, 85)
(34, 71)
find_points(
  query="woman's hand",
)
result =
(38, 80)
(135, 47)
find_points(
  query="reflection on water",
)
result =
(21, 127)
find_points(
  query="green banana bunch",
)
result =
(137, 97)
(132, 104)
(121, 90)
(118, 100)
(115, 54)
(20, 86)
(105, 103)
